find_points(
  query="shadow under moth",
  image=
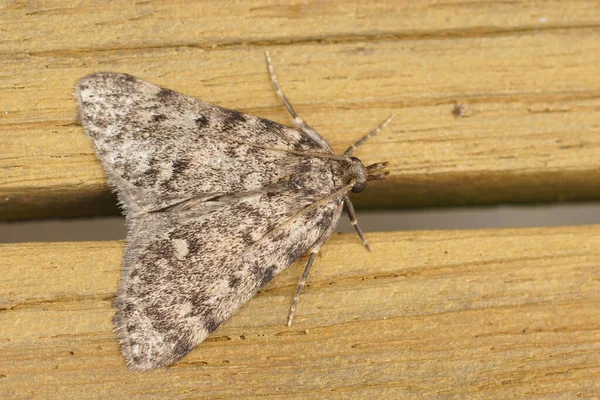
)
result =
(217, 203)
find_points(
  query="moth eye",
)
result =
(359, 187)
(356, 159)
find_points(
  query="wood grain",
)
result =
(527, 71)
(477, 314)
(149, 24)
(467, 314)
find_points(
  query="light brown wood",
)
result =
(470, 314)
(527, 72)
(119, 25)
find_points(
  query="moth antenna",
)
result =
(278, 90)
(303, 126)
(300, 287)
(354, 222)
(369, 135)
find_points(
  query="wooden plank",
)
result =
(151, 24)
(468, 314)
(531, 132)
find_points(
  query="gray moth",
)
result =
(217, 203)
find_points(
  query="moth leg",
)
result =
(369, 135)
(297, 120)
(354, 221)
(303, 126)
(301, 284)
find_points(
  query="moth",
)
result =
(217, 203)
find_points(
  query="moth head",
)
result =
(360, 174)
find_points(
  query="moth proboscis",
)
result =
(217, 203)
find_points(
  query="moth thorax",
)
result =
(357, 174)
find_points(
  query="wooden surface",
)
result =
(528, 72)
(469, 314)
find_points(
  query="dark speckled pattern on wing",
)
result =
(217, 202)
(187, 272)
(160, 147)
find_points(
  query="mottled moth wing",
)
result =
(188, 271)
(217, 202)
(160, 147)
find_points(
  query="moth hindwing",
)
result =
(217, 203)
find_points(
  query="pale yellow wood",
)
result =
(527, 71)
(63, 27)
(469, 314)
